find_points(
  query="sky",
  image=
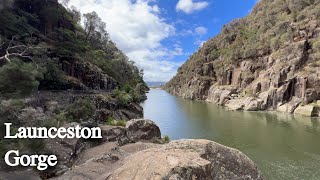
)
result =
(160, 35)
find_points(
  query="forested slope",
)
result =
(47, 39)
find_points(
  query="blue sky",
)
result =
(160, 35)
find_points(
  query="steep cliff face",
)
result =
(267, 60)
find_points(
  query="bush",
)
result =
(114, 122)
(18, 79)
(81, 110)
(56, 121)
(123, 98)
(316, 46)
(36, 146)
(166, 139)
(275, 43)
(53, 77)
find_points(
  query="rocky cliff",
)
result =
(269, 60)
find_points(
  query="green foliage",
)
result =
(3, 147)
(316, 46)
(166, 139)
(36, 146)
(80, 110)
(53, 77)
(56, 121)
(18, 79)
(50, 22)
(114, 122)
(122, 97)
(12, 105)
(13, 24)
(275, 43)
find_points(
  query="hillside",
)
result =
(54, 72)
(268, 60)
(65, 55)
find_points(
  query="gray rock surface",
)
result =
(142, 129)
(188, 159)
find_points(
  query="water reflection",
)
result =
(283, 146)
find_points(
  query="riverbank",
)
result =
(284, 146)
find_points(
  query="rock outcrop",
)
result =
(182, 159)
(87, 76)
(251, 67)
(144, 159)
(141, 129)
(188, 159)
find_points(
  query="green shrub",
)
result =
(3, 147)
(114, 122)
(18, 79)
(33, 145)
(316, 46)
(166, 139)
(53, 77)
(275, 43)
(122, 97)
(56, 121)
(81, 110)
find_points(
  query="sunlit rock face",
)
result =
(275, 65)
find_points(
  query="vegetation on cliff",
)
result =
(49, 37)
(272, 54)
(54, 71)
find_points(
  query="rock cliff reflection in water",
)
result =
(283, 146)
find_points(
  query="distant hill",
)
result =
(155, 84)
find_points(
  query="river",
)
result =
(283, 146)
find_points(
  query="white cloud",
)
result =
(188, 6)
(201, 30)
(199, 42)
(138, 29)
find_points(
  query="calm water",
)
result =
(283, 146)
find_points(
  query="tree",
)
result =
(95, 29)
(5, 4)
(91, 21)
(19, 50)
(76, 15)
(18, 79)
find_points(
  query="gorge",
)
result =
(268, 60)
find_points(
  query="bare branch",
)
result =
(19, 53)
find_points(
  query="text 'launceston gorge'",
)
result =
(42, 162)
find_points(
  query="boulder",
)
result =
(142, 129)
(220, 95)
(66, 149)
(247, 104)
(235, 105)
(310, 95)
(187, 159)
(290, 106)
(112, 133)
(214, 95)
(310, 110)
(224, 97)
(252, 104)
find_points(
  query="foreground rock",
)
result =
(140, 158)
(183, 159)
(188, 159)
(141, 129)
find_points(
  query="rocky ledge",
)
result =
(144, 155)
